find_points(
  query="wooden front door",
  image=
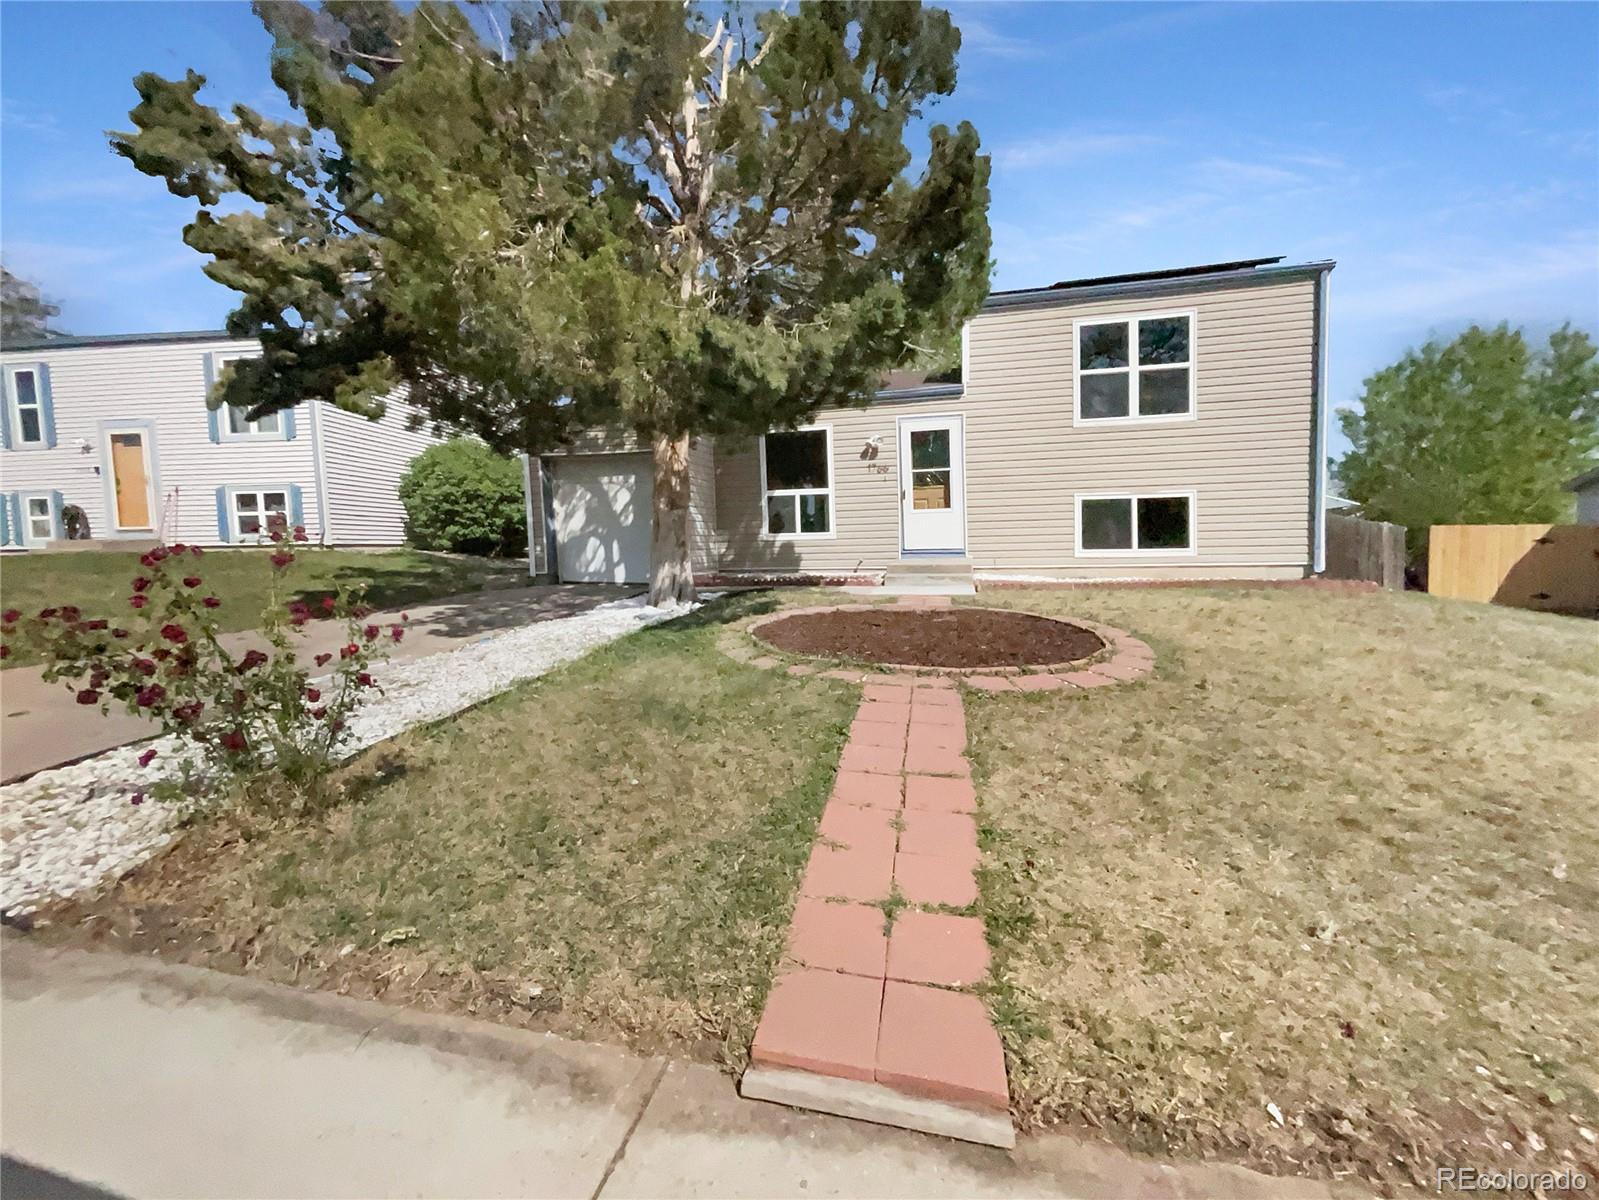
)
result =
(130, 473)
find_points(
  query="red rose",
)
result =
(119, 633)
(370, 632)
(138, 601)
(11, 616)
(147, 758)
(364, 679)
(233, 740)
(323, 660)
(196, 551)
(350, 651)
(136, 798)
(251, 660)
(144, 666)
(281, 559)
(178, 547)
(396, 632)
(191, 581)
(95, 625)
(88, 696)
(150, 695)
(211, 602)
(147, 560)
(312, 694)
(46, 613)
(160, 654)
(175, 633)
(141, 584)
(327, 603)
(319, 713)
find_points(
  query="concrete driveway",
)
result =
(41, 725)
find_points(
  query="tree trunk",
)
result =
(671, 565)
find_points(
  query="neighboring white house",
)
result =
(119, 427)
(1586, 486)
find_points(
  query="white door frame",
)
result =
(956, 423)
(106, 433)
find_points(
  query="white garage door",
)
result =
(602, 518)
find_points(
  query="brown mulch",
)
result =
(951, 637)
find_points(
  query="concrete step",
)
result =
(921, 568)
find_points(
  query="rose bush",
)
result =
(242, 718)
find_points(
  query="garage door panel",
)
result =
(602, 518)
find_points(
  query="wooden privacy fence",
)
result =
(1552, 568)
(1361, 549)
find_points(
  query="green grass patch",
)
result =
(97, 581)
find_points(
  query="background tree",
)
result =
(1481, 430)
(564, 216)
(24, 313)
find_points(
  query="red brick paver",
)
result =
(869, 791)
(845, 937)
(934, 879)
(856, 873)
(940, 1044)
(939, 794)
(821, 1021)
(936, 948)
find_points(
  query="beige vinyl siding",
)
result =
(1246, 455)
(161, 385)
(705, 544)
(363, 462)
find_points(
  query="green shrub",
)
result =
(462, 496)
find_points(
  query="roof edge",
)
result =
(71, 342)
(1591, 475)
(1054, 295)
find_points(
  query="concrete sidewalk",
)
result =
(41, 725)
(148, 1079)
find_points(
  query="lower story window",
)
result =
(1154, 523)
(798, 471)
(41, 521)
(257, 514)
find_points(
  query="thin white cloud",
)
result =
(1068, 147)
(21, 118)
(1440, 287)
(124, 186)
(977, 35)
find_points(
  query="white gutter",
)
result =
(1318, 474)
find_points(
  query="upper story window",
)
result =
(29, 421)
(235, 422)
(1135, 368)
(797, 483)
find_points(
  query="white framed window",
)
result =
(1146, 523)
(797, 483)
(1134, 368)
(27, 408)
(253, 513)
(234, 424)
(38, 519)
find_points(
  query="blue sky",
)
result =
(1447, 155)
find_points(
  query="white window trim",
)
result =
(14, 409)
(1133, 498)
(28, 538)
(831, 490)
(225, 431)
(1133, 417)
(236, 535)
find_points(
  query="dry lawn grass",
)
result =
(1339, 855)
(611, 849)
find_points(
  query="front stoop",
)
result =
(875, 1022)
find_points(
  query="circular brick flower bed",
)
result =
(956, 639)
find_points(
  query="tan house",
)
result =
(1161, 425)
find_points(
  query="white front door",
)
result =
(602, 518)
(932, 483)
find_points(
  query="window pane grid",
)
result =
(1140, 367)
(1151, 524)
(797, 467)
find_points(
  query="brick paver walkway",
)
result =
(860, 998)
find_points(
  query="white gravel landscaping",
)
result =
(65, 830)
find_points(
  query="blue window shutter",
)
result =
(5, 520)
(287, 421)
(296, 507)
(211, 414)
(14, 518)
(224, 530)
(58, 527)
(5, 410)
(47, 408)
